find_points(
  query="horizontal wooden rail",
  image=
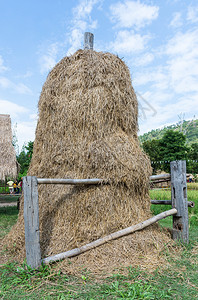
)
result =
(70, 181)
(165, 177)
(87, 181)
(160, 176)
(169, 202)
(113, 236)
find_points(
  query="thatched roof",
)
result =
(87, 128)
(8, 163)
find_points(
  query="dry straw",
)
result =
(8, 164)
(87, 128)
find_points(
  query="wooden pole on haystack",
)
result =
(88, 41)
(179, 200)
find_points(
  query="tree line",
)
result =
(172, 146)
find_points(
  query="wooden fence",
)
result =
(179, 212)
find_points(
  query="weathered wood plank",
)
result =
(88, 41)
(69, 181)
(179, 200)
(160, 176)
(169, 202)
(109, 237)
(31, 219)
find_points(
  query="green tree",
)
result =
(192, 163)
(152, 150)
(173, 147)
(193, 153)
(24, 158)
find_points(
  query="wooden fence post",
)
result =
(88, 41)
(31, 219)
(179, 200)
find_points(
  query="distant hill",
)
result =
(189, 128)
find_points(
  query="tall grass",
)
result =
(166, 195)
(192, 186)
(4, 189)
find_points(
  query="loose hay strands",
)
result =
(110, 237)
(8, 163)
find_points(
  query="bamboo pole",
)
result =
(109, 237)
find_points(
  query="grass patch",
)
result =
(178, 281)
(166, 195)
(192, 186)
(4, 189)
(8, 217)
(9, 198)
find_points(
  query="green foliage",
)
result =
(193, 153)
(152, 149)
(192, 164)
(172, 146)
(24, 159)
(189, 129)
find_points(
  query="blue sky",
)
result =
(158, 40)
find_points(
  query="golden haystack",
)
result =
(8, 163)
(87, 128)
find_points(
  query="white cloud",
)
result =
(28, 74)
(183, 61)
(129, 42)
(5, 82)
(143, 60)
(152, 77)
(11, 108)
(82, 22)
(192, 14)
(183, 43)
(84, 8)
(133, 14)
(177, 20)
(25, 132)
(48, 60)
(179, 73)
(167, 111)
(33, 117)
(2, 67)
(20, 88)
